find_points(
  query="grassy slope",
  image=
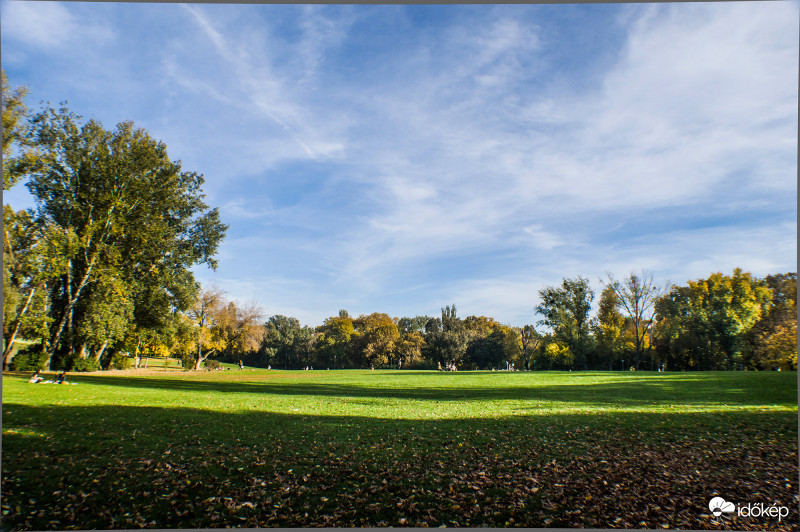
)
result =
(357, 448)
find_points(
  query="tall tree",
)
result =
(285, 341)
(608, 327)
(446, 339)
(378, 337)
(19, 155)
(130, 208)
(773, 339)
(530, 341)
(565, 310)
(33, 255)
(708, 320)
(205, 316)
(636, 298)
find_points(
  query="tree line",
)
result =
(99, 274)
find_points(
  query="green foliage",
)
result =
(565, 310)
(333, 345)
(705, 324)
(121, 361)
(136, 215)
(608, 328)
(188, 360)
(376, 340)
(29, 358)
(19, 155)
(287, 344)
(212, 365)
(82, 364)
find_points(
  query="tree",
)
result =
(286, 341)
(130, 208)
(446, 339)
(772, 342)
(637, 297)
(205, 315)
(565, 310)
(19, 155)
(530, 341)
(609, 326)
(377, 338)
(707, 322)
(242, 328)
(33, 255)
(334, 341)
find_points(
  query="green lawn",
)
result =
(379, 448)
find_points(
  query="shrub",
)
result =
(212, 364)
(120, 361)
(188, 360)
(29, 358)
(84, 364)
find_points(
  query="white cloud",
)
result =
(700, 93)
(48, 25)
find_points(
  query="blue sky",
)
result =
(402, 158)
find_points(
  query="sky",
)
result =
(400, 158)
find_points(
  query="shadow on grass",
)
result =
(110, 463)
(735, 389)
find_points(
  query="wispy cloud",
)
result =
(49, 25)
(387, 158)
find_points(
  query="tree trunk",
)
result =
(73, 299)
(100, 353)
(201, 358)
(10, 342)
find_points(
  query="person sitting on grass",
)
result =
(36, 377)
(62, 378)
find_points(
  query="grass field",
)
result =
(167, 449)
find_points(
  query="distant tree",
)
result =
(377, 338)
(565, 310)
(416, 324)
(209, 319)
(772, 341)
(446, 338)
(636, 298)
(334, 341)
(285, 341)
(492, 350)
(530, 341)
(242, 329)
(707, 322)
(608, 327)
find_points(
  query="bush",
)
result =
(84, 364)
(121, 361)
(29, 358)
(212, 364)
(188, 360)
